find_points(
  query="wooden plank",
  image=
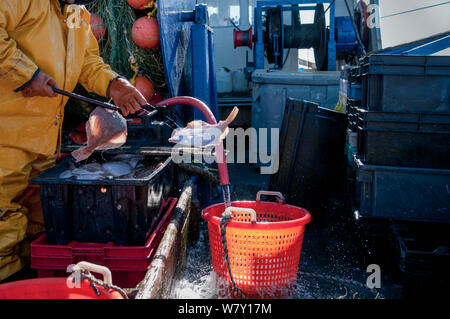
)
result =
(171, 254)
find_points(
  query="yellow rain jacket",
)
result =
(37, 35)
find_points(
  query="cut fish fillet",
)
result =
(105, 129)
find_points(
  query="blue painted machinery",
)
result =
(188, 56)
(271, 36)
(187, 47)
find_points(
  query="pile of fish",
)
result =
(123, 165)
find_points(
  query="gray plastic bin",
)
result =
(272, 89)
(406, 83)
(402, 193)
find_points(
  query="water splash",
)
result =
(199, 281)
(226, 195)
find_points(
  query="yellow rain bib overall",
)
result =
(37, 35)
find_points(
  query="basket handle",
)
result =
(278, 195)
(229, 210)
(84, 265)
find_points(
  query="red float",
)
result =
(98, 27)
(79, 138)
(157, 97)
(138, 4)
(145, 33)
(145, 86)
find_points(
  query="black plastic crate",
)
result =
(119, 210)
(402, 193)
(355, 91)
(404, 139)
(352, 114)
(406, 83)
(421, 253)
(355, 74)
(422, 249)
(146, 131)
(312, 159)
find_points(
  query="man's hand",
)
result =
(42, 85)
(126, 96)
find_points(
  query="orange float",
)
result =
(145, 86)
(139, 4)
(145, 33)
(98, 27)
(157, 97)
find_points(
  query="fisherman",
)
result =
(42, 46)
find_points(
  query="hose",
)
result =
(210, 118)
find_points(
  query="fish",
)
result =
(66, 174)
(122, 165)
(130, 159)
(106, 129)
(117, 168)
(201, 134)
(90, 171)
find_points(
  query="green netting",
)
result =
(115, 49)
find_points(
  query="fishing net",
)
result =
(118, 49)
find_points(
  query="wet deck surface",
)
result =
(331, 264)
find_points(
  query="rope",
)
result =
(131, 59)
(94, 282)
(361, 45)
(223, 225)
(152, 4)
(415, 10)
(378, 294)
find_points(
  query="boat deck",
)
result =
(331, 266)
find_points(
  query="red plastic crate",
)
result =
(128, 264)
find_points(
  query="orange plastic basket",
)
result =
(263, 254)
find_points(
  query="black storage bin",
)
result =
(402, 193)
(404, 139)
(355, 80)
(146, 131)
(422, 256)
(312, 159)
(406, 83)
(119, 210)
(355, 75)
(352, 114)
(422, 248)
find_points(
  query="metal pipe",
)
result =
(296, 16)
(244, 23)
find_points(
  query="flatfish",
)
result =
(105, 129)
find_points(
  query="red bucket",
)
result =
(53, 288)
(65, 288)
(263, 253)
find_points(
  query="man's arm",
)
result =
(98, 77)
(15, 66)
(95, 74)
